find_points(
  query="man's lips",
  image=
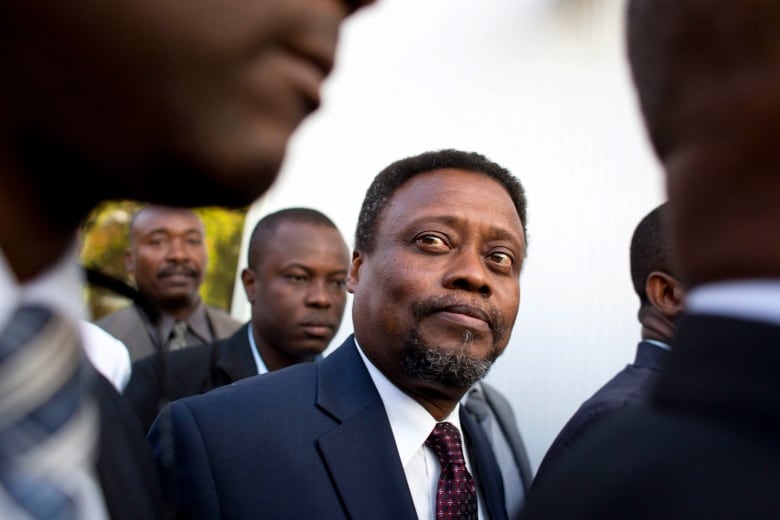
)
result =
(467, 316)
(178, 277)
(318, 329)
(168, 273)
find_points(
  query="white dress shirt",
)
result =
(411, 424)
(109, 354)
(261, 367)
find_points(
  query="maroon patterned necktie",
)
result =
(456, 496)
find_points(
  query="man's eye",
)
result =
(502, 259)
(431, 241)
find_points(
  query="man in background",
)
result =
(707, 73)
(173, 103)
(167, 259)
(295, 283)
(661, 298)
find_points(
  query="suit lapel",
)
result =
(234, 358)
(487, 472)
(506, 421)
(360, 452)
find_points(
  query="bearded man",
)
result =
(368, 432)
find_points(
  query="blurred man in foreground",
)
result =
(175, 103)
(708, 77)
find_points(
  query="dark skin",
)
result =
(297, 292)
(666, 297)
(450, 237)
(712, 92)
(197, 94)
(167, 257)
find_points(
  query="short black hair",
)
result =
(650, 250)
(396, 174)
(266, 227)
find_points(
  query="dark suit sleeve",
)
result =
(143, 390)
(182, 460)
(126, 469)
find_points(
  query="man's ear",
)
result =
(353, 275)
(249, 278)
(665, 293)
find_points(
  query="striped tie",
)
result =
(48, 428)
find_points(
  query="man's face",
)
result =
(149, 97)
(167, 256)
(436, 300)
(298, 290)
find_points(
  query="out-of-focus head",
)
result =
(172, 102)
(167, 257)
(707, 74)
(435, 274)
(295, 280)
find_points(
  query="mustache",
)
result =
(489, 314)
(170, 270)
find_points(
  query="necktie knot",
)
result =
(178, 338)
(444, 440)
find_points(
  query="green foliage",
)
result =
(104, 241)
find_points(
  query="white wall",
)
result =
(541, 87)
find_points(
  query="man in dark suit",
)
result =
(660, 304)
(495, 415)
(167, 258)
(706, 446)
(375, 430)
(295, 282)
(170, 103)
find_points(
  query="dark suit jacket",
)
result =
(125, 466)
(128, 326)
(193, 370)
(308, 441)
(630, 387)
(707, 446)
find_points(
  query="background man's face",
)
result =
(168, 256)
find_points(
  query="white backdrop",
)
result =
(541, 87)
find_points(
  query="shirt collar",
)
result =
(409, 420)
(197, 322)
(755, 300)
(261, 367)
(659, 344)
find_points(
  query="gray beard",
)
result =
(452, 369)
